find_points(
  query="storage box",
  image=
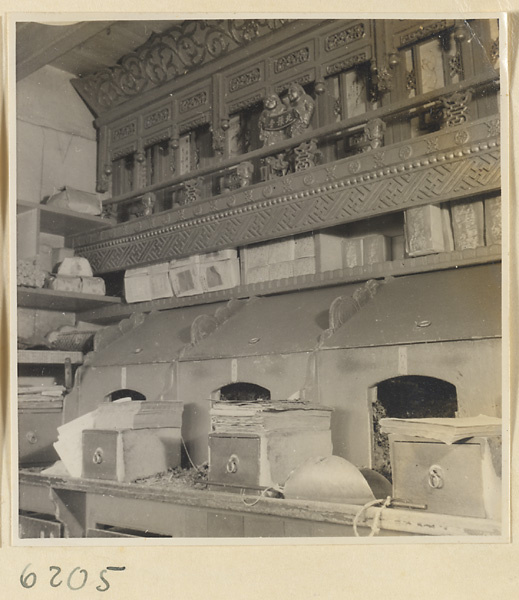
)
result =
(424, 230)
(185, 281)
(263, 460)
(328, 251)
(219, 275)
(38, 422)
(462, 479)
(493, 221)
(468, 224)
(129, 454)
(160, 283)
(137, 285)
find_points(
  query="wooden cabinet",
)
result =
(38, 423)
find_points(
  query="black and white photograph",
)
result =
(259, 281)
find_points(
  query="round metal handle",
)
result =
(232, 464)
(31, 436)
(97, 458)
(436, 477)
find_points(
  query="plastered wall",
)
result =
(56, 139)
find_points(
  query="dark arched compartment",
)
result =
(243, 392)
(407, 397)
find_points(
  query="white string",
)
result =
(375, 525)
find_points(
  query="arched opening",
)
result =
(243, 392)
(406, 397)
(124, 394)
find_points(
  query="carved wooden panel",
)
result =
(367, 185)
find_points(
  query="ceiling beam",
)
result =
(38, 45)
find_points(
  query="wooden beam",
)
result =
(38, 45)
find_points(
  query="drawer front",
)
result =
(448, 478)
(34, 527)
(36, 434)
(234, 460)
(100, 454)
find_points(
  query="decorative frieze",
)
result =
(344, 37)
(288, 61)
(120, 152)
(161, 136)
(422, 31)
(245, 79)
(193, 102)
(123, 132)
(456, 108)
(193, 124)
(347, 63)
(303, 80)
(156, 117)
(170, 55)
(315, 203)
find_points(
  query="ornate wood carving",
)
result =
(422, 31)
(427, 178)
(193, 124)
(288, 61)
(303, 80)
(344, 37)
(456, 108)
(347, 63)
(156, 117)
(245, 103)
(125, 151)
(193, 102)
(306, 155)
(123, 132)
(168, 56)
(245, 79)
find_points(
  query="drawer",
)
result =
(234, 460)
(129, 454)
(455, 479)
(37, 431)
(35, 526)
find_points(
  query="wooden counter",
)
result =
(91, 508)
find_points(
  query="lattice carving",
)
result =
(424, 181)
(455, 108)
(192, 190)
(168, 56)
(344, 37)
(306, 155)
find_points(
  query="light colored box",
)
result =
(304, 246)
(159, 281)
(228, 254)
(64, 283)
(424, 230)
(493, 221)
(328, 251)
(255, 256)
(304, 266)
(257, 274)
(185, 281)
(220, 275)
(468, 224)
(281, 251)
(44, 258)
(353, 252)
(375, 249)
(93, 285)
(183, 262)
(281, 270)
(137, 285)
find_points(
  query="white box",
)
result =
(255, 256)
(137, 285)
(159, 281)
(468, 224)
(304, 266)
(185, 281)
(281, 270)
(328, 251)
(220, 275)
(257, 274)
(281, 251)
(424, 230)
(228, 254)
(304, 246)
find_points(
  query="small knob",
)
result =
(436, 477)
(232, 464)
(31, 436)
(97, 458)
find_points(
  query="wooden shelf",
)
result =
(48, 357)
(60, 221)
(63, 301)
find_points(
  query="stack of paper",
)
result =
(444, 430)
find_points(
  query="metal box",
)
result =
(38, 423)
(129, 454)
(462, 479)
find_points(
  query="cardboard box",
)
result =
(160, 283)
(219, 275)
(328, 251)
(137, 285)
(493, 221)
(424, 230)
(468, 224)
(185, 281)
